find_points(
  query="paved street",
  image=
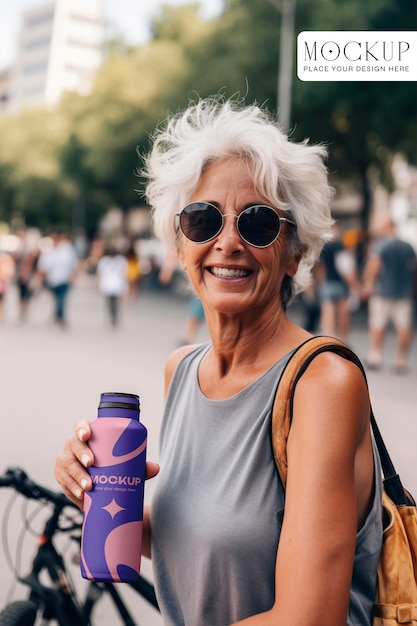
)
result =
(50, 377)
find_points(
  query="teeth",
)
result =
(228, 273)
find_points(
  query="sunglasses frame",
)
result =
(223, 215)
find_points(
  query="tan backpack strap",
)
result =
(282, 408)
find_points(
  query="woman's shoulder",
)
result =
(175, 358)
(336, 373)
(331, 387)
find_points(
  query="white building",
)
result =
(60, 49)
(5, 90)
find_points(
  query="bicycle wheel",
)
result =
(19, 613)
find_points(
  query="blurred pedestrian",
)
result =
(112, 281)
(94, 255)
(27, 258)
(195, 317)
(388, 283)
(7, 268)
(338, 280)
(133, 271)
(168, 267)
(57, 268)
(195, 312)
(310, 304)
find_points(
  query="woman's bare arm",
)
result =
(329, 488)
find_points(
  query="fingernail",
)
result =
(81, 433)
(78, 493)
(84, 483)
(85, 459)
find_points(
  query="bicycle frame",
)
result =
(59, 601)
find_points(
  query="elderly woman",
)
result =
(248, 211)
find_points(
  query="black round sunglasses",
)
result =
(258, 225)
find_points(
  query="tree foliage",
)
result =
(85, 152)
(364, 123)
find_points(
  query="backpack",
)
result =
(396, 593)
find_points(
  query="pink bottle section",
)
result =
(113, 510)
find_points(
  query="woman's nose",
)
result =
(229, 234)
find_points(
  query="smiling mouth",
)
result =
(223, 272)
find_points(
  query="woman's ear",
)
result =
(181, 258)
(292, 266)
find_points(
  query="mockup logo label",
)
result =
(357, 55)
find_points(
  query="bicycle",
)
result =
(57, 598)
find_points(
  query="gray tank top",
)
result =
(218, 503)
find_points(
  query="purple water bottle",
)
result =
(111, 540)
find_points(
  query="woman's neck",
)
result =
(241, 352)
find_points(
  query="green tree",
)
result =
(83, 157)
(132, 94)
(30, 182)
(241, 56)
(364, 123)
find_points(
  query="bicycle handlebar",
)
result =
(17, 478)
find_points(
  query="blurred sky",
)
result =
(128, 17)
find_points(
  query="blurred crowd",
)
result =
(53, 262)
(374, 274)
(377, 274)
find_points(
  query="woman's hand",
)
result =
(72, 463)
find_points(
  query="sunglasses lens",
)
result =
(259, 225)
(200, 221)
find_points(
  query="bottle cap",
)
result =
(118, 401)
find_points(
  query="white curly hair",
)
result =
(293, 176)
